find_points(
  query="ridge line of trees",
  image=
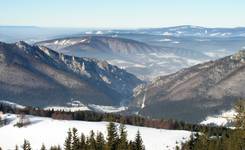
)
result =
(109, 117)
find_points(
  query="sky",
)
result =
(122, 13)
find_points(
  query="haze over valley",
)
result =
(122, 75)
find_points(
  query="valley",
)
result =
(189, 74)
(154, 72)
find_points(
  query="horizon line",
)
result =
(76, 27)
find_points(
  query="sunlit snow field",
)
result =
(53, 132)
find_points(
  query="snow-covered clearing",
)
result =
(91, 107)
(53, 132)
(223, 119)
(107, 109)
(12, 104)
(67, 109)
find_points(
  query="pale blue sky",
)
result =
(122, 13)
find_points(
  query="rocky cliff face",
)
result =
(35, 75)
(198, 90)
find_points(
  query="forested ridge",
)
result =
(110, 117)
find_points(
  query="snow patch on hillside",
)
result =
(78, 106)
(11, 104)
(105, 79)
(167, 33)
(67, 109)
(53, 132)
(223, 119)
(217, 53)
(165, 40)
(143, 102)
(107, 109)
(176, 42)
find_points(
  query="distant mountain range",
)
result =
(164, 50)
(193, 93)
(142, 59)
(184, 30)
(198, 31)
(98, 44)
(189, 72)
(35, 75)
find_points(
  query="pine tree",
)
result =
(92, 141)
(138, 142)
(100, 141)
(26, 145)
(68, 141)
(43, 147)
(123, 142)
(75, 140)
(112, 136)
(192, 140)
(131, 145)
(55, 148)
(199, 141)
(240, 117)
(59, 148)
(16, 147)
(82, 142)
(87, 143)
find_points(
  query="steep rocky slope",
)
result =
(195, 92)
(33, 75)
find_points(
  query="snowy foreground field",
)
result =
(53, 132)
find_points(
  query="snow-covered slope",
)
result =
(53, 132)
(11, 104)
(224, 119)
(108, 109)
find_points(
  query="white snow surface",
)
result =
(92, 107)
(107, 109)
(53, 132)
(217, 53)
(165, 40)
(143, 102)
(67, 109)
(12, 104)
(220, 120)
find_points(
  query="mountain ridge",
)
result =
(25, 69)
(98, 43)
(208, 87)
